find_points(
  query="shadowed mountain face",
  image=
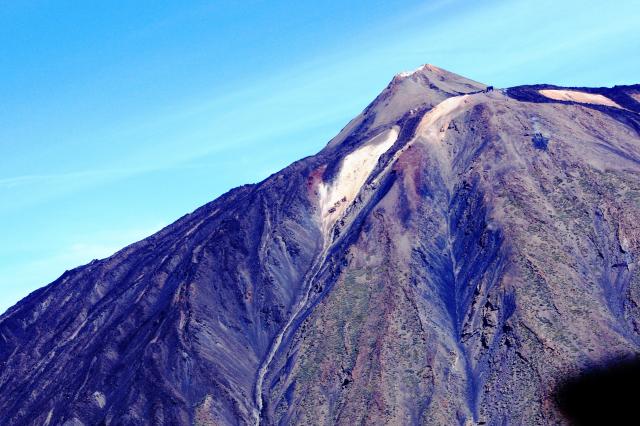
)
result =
(451, 257)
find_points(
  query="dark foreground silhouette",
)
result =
(602, 395)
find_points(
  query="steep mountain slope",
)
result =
(448, 258)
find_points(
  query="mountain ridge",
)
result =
(412, 293)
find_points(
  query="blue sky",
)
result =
(118, 117)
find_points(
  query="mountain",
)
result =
(450, 257)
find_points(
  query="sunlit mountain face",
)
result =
(450, 257)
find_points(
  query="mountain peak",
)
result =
(410, 92)
(421, 69)
(437, 76)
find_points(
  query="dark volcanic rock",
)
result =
(451, 257)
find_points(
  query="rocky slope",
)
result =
(448, 258)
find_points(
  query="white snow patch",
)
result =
(428, 67)
(356, 167)
(576, 96)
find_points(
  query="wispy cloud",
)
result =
(17, 280)
(11, 182)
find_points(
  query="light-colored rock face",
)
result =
(204, 413)
(99, 399)
(442, 114)
(335, 196)
(435, 124)
(576, 96)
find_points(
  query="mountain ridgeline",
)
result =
(450, 257)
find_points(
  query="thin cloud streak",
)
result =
(25, 277)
